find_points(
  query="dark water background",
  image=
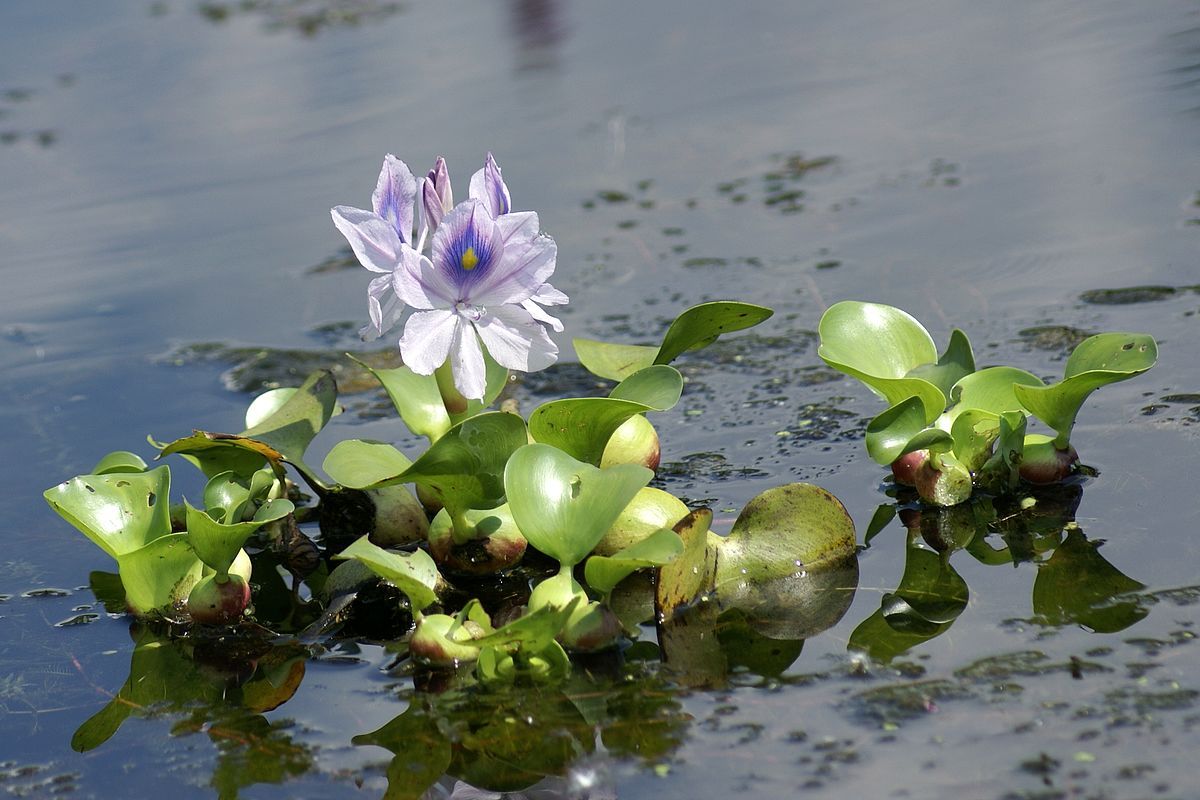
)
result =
(166, 170)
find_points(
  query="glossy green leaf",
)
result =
(784, 531)
(416, 398)
(413, 573)
(603, 573)
(956, 363)
(657, 387)
(261, 408)
(973, 433)
(217, 544)
(888, 435)
(1078, 586)
(1097, 361)
(160, 575)
(359, 463)
(696, 327)
(1001, 472)
(880, 345)
(564, 506)
(119, 461)
(228, 495)
(700, 325)
(119, 512)
(991, 390)
(465, 468)
(582, 427)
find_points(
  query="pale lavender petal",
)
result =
(372, 238)
(466, 362)
(547, 295)
(417, 282)
(523, 270)
(488, 186)
(427, 339)
(467, 248)
(395, 196)
(518, 226)
(380, 298)
(436, 194)
(515, 339)
(539, 313)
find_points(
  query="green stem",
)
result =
(461, 530)
(452, 399)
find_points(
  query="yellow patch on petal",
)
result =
(469, 259)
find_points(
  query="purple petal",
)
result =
(395, 195)
(372, 239)
(515, 339)
(522, 271)
(419, 284)
(487, 185)
(467, 248)
(436, 195)
(427, 339)
(466, 362)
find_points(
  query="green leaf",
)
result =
(690, 574)
(119, 512)
(700, 325)
(119, 461)
(889, 435)
(217, 544)
(1002, 471)
(582, 427)
(359, 463)
(413, 573)
(991, 389)
(973, 432)
(1097, 361)
(956, 363)
(880, 345)
(160, 575)
(416, 398)
(532, 632)
(784, 531)
(266, 404)
(695, 328)
(564, 506)
(227, 495)
(657, 387)
(613, 361)
(465, 468)
(603, 573)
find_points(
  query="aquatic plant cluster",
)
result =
(559, 498)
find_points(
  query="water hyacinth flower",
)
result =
(484, 276)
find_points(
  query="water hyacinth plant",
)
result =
(949, 427)
(511, 542)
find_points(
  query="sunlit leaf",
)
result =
(564, 506)
(691, 573)
(160, 575)
(533, 631)
(1001, 472)
(416, 398)
(119, 512)
(217, 544)
(266, 404)
(657, 387)
(973, 433)
(413, 573)
(956, 363)
(880, 345)
(1097, 361)
(696, 327)
(888, 435)
(991, 390)
(359, 463)
(602, 573)
(465, 468)
(119, 461)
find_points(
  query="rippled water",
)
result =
(166, 170)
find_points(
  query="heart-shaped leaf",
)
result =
(881, 345)
(119, 512)
(973, 433)
(657, 387)
(217, 544)
(1097, 361)
(413, 573)
(416, 398)
(696, 327)
(603, 573)
(564, 506)
(226, 496)
(358, 463)
(991, 390)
